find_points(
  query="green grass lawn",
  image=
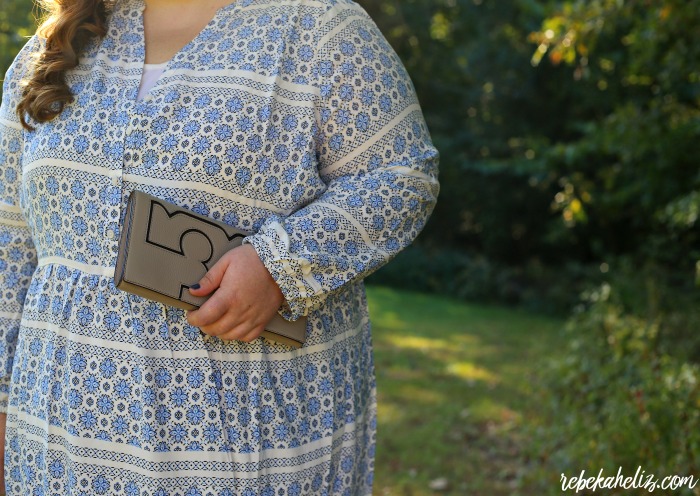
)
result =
(457, 388)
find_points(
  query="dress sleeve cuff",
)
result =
(3, 402)
(293, 307)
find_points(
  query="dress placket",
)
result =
(141, 113)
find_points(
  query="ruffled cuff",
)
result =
(282, 271)
(4, 397)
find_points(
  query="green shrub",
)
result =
(622, 394)
(476, 278)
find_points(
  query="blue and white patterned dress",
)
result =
(291, 119)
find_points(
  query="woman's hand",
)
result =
(246, 299)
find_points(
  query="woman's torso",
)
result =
(227, 131)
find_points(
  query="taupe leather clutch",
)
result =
(164, 248)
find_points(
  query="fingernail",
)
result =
(195, 286)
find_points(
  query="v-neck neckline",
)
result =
(140, 5)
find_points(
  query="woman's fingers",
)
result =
(224, 315)
(213, 310)
(244, 333)
(246, 299)
(212, 279)
(223, 325)
(231, 327)
(218, 303)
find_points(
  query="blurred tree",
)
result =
(631, 177)
(490, 113)
(17, 22)
(627, 386)
(604, 130)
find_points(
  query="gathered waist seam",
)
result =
(73, 264)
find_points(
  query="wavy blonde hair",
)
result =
(66, 29)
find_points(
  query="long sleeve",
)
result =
(376, 157)
(18, 257)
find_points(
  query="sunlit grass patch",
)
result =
(454, 385)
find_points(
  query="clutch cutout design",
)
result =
(165, 248)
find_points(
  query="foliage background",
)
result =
(568, 133)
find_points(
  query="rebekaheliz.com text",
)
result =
(640, 480)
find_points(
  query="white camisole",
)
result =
(151, 73)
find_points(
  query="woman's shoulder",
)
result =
(19, 69)
(296, 18)
(318, 8)
(24, 57)
(323, 4)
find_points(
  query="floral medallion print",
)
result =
(294, 121)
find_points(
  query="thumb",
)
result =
(212, 279)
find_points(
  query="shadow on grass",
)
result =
(456, 383)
